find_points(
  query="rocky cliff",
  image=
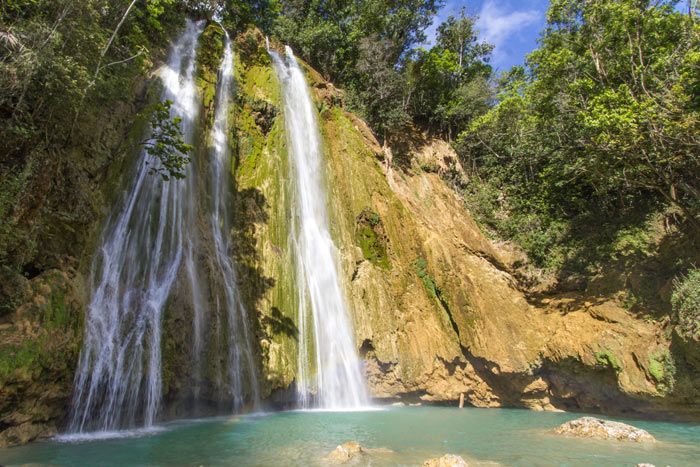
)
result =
(437, 308)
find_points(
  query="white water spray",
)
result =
(148, 243)
(118, 382)
(338, 383)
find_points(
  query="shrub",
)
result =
(685, 300)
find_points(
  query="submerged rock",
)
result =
(590, 427)
(448, 460)
(345, 452)
(351, 451)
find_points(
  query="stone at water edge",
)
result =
(448, 460)
(590, 427)
(26, 432)
(344, 453)
(350, 450)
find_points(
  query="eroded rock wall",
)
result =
(443, 313)
(437, 308)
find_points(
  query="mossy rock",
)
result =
(662, 369)
(605, 358)
(250, 47)
(209, 52)
(261, 213)
(39, 352)
(208, 60)
(371, 238)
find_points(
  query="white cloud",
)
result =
(496, 25)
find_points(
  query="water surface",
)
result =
(506, 436)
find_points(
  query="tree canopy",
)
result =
(604, 119)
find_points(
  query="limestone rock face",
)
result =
(448, 460)
(438, 309)
(444, 313)
(590, 427)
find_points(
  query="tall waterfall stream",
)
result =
(323, 313)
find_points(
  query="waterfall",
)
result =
(119, 371)
(241, 357)
(155, 238)
(338, 382)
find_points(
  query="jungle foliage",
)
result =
(599, 131)
(67, 67)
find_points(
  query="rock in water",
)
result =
(345, 453)
(448, 460)
(590, 427)
(352, 451)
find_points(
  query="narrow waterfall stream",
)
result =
(155, 236)
(338, 381)
(241, 357)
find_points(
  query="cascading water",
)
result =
(338, 383)
(153, 241)
(241, 360)
(119, 372)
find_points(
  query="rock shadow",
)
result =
(281, 324)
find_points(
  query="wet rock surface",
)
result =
(448, 460)
(590, 427)
(352, 452)
(345, 453)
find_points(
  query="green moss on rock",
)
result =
(262, 205)
(606, 359)
(370, 237)
(686, 305)
(208, 61)
(38, 355)
(25, 356)
(663, 370)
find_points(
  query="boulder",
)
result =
(26, 432)
(590, 427)
(345, 452)
(351, 451)
(448, 460)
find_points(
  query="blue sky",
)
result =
(512, 26)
